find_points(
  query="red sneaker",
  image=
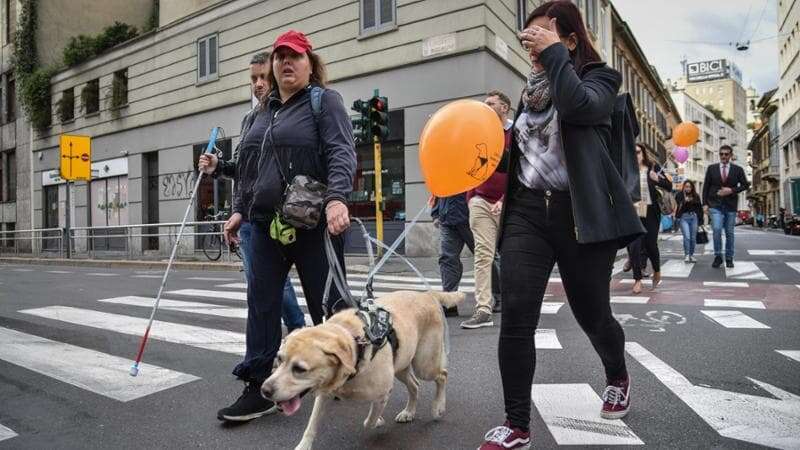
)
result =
(616, 399)
(505, 438)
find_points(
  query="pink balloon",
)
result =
(681, 154)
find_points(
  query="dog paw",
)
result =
(438, 411)
(303, 445)
(378, 423)
(404, 417)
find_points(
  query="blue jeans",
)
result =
(689, 229)
(291, 313)
(453, 240)
(722, 219)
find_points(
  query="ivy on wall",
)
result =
(82, 48)
(34, 81)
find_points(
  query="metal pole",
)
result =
(378, 193)
(66, 230)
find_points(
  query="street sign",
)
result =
(76, 157)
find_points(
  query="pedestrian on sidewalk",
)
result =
(651, 176)
(690, 215)
(290, 136)
(291, 313)
(723, 183)
(451, 216)
(485, 203)
(566, 204)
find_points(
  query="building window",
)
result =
(11, 19)
(119, 89)
(90, 97)
(377, 14)
(66, 106)
(11, 175)
(11, 100)
(522, 13)
(207, 58)
(9, 237)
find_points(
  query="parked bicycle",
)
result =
(212, 241)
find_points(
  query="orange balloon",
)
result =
(460, 147)
(685, 134)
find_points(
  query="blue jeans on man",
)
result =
(722, 219)
(689, 225)
(291, 313)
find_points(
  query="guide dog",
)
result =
(336, 359)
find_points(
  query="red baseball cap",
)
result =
(295, 40)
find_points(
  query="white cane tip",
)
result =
(134, 371)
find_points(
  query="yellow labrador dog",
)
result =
(325, 360)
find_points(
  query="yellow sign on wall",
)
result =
(76, 157)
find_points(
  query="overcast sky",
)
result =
(709, 25)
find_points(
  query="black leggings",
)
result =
(536, 235)
(649, 241)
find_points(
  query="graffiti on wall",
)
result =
(176, 186)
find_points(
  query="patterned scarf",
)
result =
(536, 95)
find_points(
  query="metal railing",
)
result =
(129, 241)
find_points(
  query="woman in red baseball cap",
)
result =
(301, 129)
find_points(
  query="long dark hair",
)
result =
(694, 194)
(319, 74)
(569, 20)
(645, 149)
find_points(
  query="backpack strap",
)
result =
(316, 101)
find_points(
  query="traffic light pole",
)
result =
(67, 222)
(378, 192)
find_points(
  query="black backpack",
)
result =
(624, 131)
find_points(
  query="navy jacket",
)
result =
(737, 180)
(451, 210)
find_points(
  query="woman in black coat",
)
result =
(650, 176)
(565, 203)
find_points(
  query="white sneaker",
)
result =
(692, 260)
(687, 259)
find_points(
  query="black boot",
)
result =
(249, 405)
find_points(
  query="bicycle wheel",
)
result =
(212, 245)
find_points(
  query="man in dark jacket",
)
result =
(721, 188)
(451, 216)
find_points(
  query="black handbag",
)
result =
(702, 236)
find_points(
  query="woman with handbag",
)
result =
(649, 209)
(690, 215)
(298, 152)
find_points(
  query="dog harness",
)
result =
(378, 330)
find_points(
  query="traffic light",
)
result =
(361, 126)
(379, 117)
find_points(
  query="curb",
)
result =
(181, 265)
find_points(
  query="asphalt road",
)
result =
(705, 374)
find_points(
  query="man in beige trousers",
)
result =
(485, 204)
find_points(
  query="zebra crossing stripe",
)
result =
(211, 279)
(734, 319)
(630, 299)
(210, 294)
(87, 369)
(572, 415)
(774, 252)
(180, 306)
(408, 278)
(233, 285)
(618, 266)
(551, 307)
(101, 274)
(732, 284)
(205, 338)
(546, 339)
(750, 304)
(793, 354)
(58, 271)
(147, 276)
(794, 265)
(745, 270)
(675, 268)
(6, 433)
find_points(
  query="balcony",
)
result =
(771, 173)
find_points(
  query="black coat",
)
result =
(602, 209)
(737, 181)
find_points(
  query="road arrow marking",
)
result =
(773, 422)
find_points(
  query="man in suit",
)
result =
(723, 183)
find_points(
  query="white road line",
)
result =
(794, 265)
(211, 279)
(618, 266)
(147, 276)
(732, 284)
(408, 278)
(629, 281)
(180, 306)
(734, 319)
(745, 270)
(101, 274)
(207, 338)
(58, 271)
(572, 414)
(230, 295)
(546, 339)
(22, 270)
(774, 252)
(233, 285)
(551, 307)
(793, 354)
(748, 304)
(6, 433)
(87, 369)
(676, 268)
(630, 299)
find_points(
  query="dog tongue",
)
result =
(290, 407)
